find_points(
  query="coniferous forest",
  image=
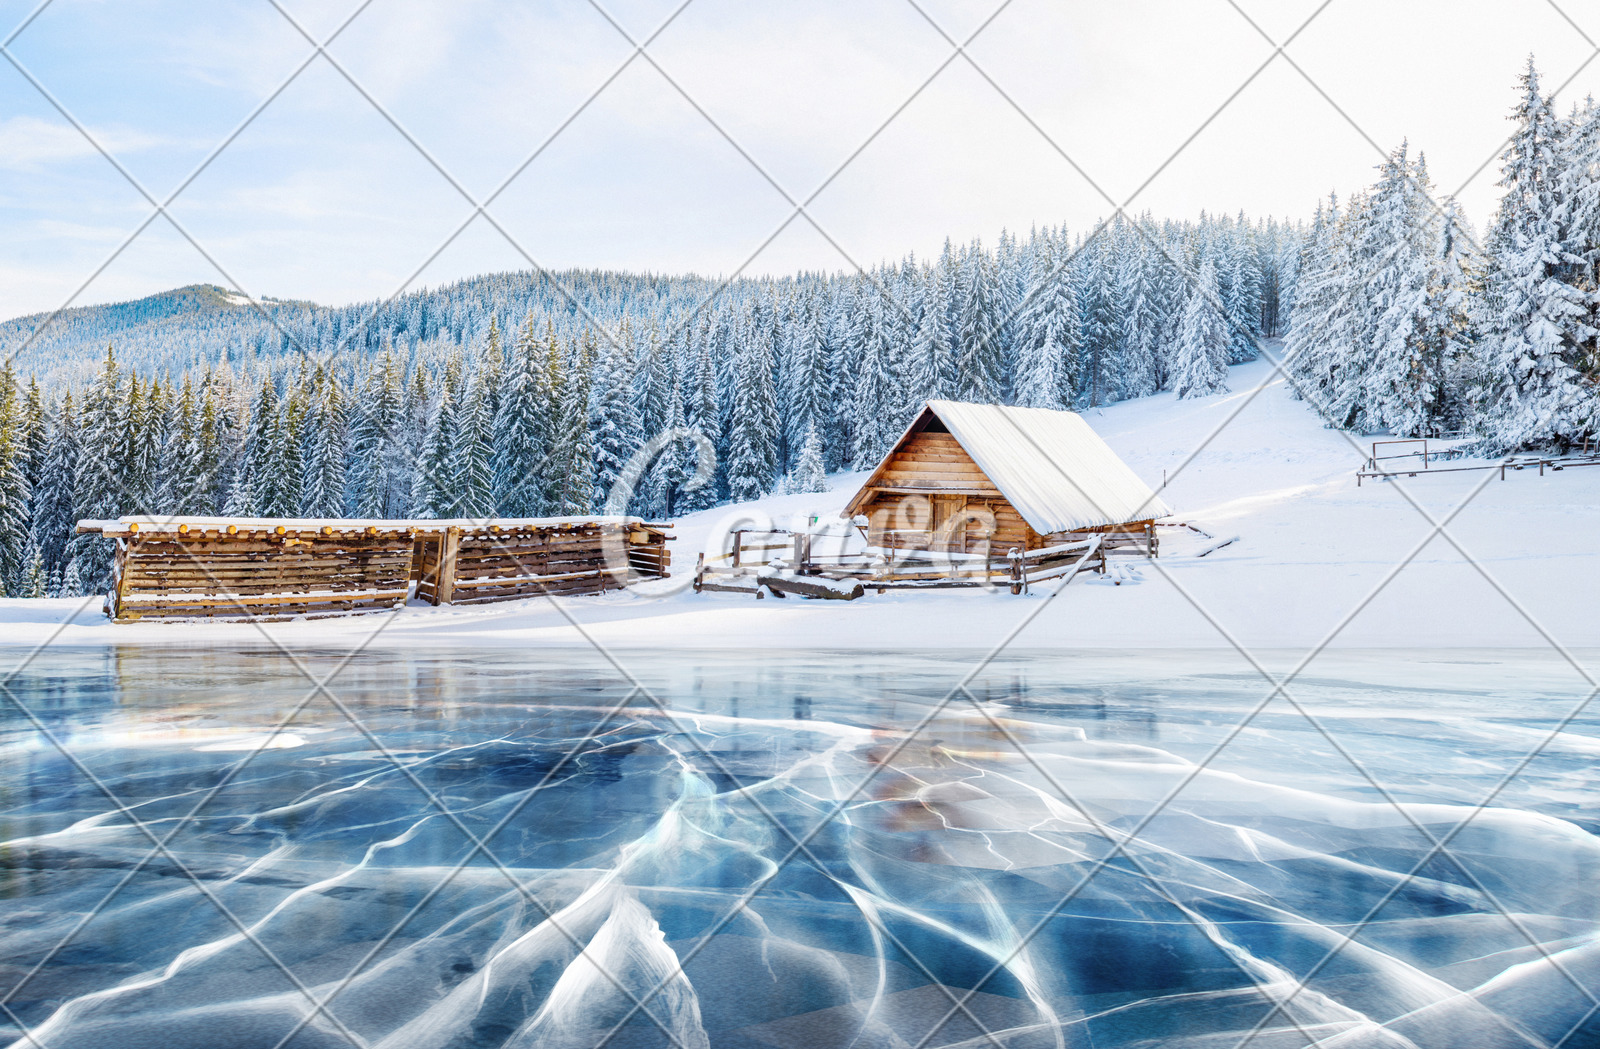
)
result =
(529, 394)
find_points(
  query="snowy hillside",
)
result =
(1311, 548)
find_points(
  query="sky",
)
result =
(358, 173)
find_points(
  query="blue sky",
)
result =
(320, 197)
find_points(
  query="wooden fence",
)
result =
(751, 567)
(238, 568)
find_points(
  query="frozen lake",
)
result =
(461, 849)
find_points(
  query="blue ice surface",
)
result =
(453, 848)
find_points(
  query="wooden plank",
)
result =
(269, 599)
(447, 564)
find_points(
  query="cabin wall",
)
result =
(282, 571)
(964, 524)
(954, 508)
(165, 575)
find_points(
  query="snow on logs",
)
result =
(188, 567)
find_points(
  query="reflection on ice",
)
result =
(779, 860)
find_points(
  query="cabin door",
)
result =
(947, 519)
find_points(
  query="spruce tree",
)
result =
(875, 405)
(1534, 323)
(98, 491)
(1200, 366)
(433, 493)
(928, 372)
(14, 493)
(326, 445)
(1101, 329)
(519, 430)
(752, 429)
(184, 478)
(613, 422)
(1047, 337)
(808, 474)
(376, 442)
(53, 499)
(471, 472)
(702, 415)
(979, 357)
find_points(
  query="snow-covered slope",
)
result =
(1311, 561)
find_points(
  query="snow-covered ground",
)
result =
(1312, 550)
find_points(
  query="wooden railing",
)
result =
(748, 567)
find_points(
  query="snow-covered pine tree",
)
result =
(928, 371)
(1244, 299)
(807, 393)
(1448, 323)
(1395, 379)
(808, 474)
(1142, 320)
(433, 492)
(979, 354)
(273, 493)
(374, 443)
(842, 354)
(35, 434)
(492, 363)
(35, 583)
(98, 493)
(1047, 335)
(652, 383)
(183, 476)
(14, 493)
(612, 420)
(1200, 362)
(468, 487)
(702, 414)
(1534, 324)
(1329, 314)
(519, 429)
(569, 484)
(72, 584)
(53, 498)
(874, 404)
(326, 447)
(1100, 332)
(659, 491)
(132, 476)
(752, 431)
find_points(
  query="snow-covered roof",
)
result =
(1050, 465)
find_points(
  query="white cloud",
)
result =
(30, 144)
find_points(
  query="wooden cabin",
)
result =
(984, 478)
(189, 567)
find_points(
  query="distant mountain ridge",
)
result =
(203, 326)
(197, 323)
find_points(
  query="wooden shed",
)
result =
(979, 478)
(253, 567)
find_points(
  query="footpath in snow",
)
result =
(1312, 548)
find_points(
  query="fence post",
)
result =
(699, 570)
(1016, 570)
(448, 549)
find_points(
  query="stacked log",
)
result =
(221, 568)
(209, 574)
(502, 563)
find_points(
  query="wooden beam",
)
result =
(445, 586)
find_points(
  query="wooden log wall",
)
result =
(222, 571)
(213, 574)
(588, 558)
